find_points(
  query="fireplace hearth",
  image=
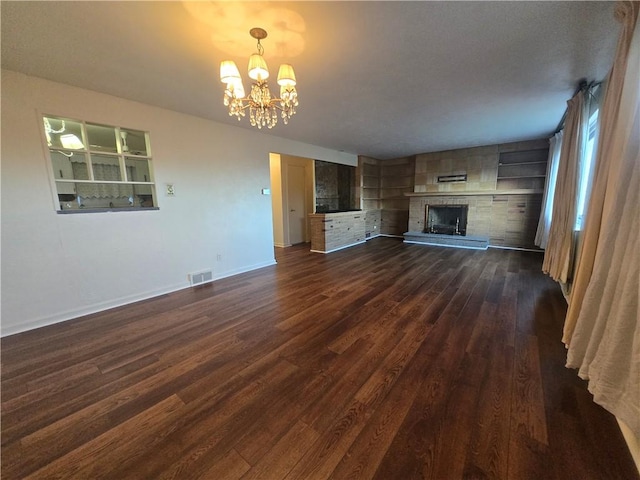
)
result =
(446, 219)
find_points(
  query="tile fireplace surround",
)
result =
(502, 211)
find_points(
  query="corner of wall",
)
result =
(633, 442)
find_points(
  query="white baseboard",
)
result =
(522, 249)
(118, 302)
(444, 245)
(339, 248)
(89, 309)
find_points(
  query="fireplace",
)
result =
(446, 219)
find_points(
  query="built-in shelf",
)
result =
(522, 170)
(521, 176)
(521, 191)
(505, 164)
(382, 188)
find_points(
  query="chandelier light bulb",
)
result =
(237, 88)
(229, 72)
(264, 109)
(286, 76)
(258, 69)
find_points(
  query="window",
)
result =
(585, 173)
(99, 167)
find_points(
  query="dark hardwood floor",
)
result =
(386, 360)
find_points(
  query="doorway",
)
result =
(293, 198)
(296, 195)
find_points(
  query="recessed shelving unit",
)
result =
(396, 179)
(383, 185)
(503, 187)
(369, 176)
(522, 170)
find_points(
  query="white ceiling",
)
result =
(383, 79)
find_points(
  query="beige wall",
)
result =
(56, 267)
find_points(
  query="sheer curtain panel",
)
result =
(542, 233)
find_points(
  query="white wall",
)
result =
(56, 267)
(276, 199)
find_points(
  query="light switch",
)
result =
(171, 191)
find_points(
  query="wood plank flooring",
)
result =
(382, 361)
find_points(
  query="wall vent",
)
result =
(199, 278)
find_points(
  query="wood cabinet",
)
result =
(514, 220)
(334, 231)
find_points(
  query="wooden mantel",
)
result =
(471, 193)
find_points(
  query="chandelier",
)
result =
(263, 108)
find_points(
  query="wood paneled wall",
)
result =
(480, 164)
(506, 220)
(505, 209)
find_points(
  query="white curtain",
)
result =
(602, 329)
(542, 234)
(558, 256)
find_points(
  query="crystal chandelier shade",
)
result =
(263, 108)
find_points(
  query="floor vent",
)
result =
(199, 278)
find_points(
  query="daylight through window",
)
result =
(585, 174)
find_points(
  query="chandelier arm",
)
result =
(247, 103)
(271, 104)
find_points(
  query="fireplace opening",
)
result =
(446, 219)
